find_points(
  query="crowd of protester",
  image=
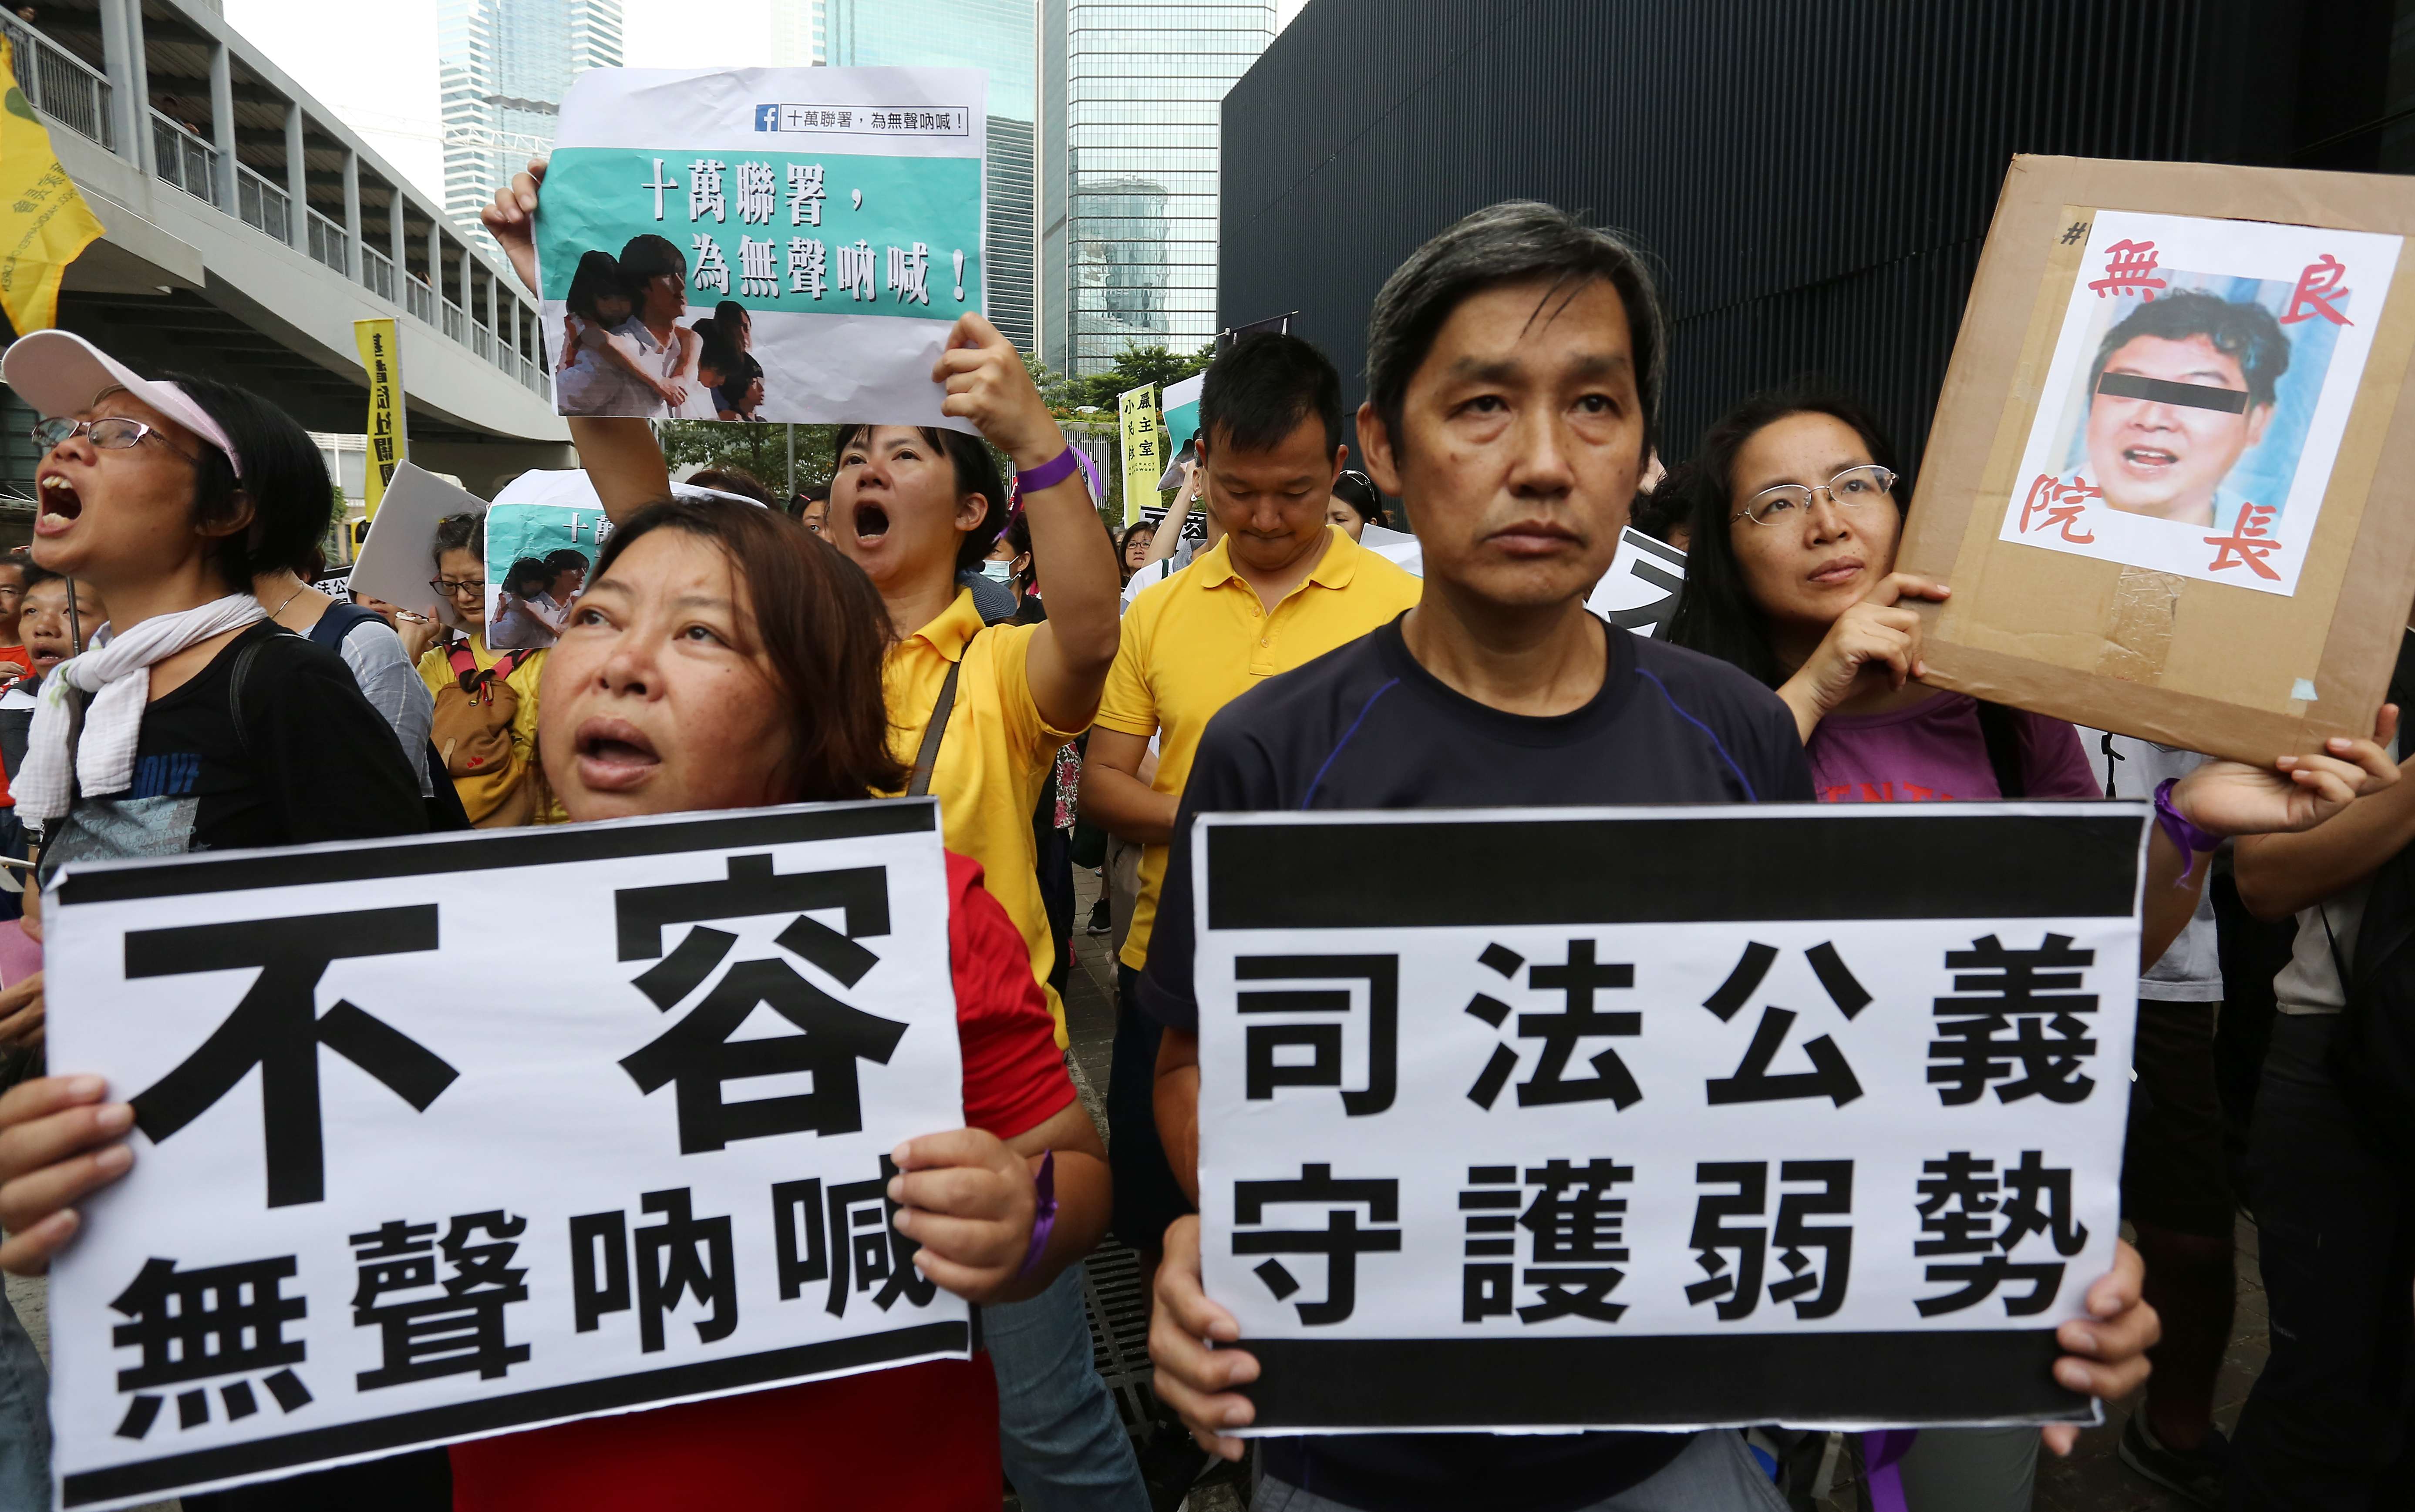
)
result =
(1074, 698)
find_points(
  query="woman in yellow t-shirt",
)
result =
(498, 787)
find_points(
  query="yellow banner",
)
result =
(1143, 461)
(44, 223)
(381, 359)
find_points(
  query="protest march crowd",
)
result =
(201, 695)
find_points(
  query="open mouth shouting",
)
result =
(614, 756)
(871, 525)
(61, 505)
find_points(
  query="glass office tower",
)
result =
(503, 68)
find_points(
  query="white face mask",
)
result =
(999, 572)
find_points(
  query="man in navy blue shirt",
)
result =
(1513, 367)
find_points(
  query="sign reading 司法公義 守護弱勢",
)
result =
(446, 1137)
(1657, 1118)
(761, 244)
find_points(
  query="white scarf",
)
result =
(101, 751)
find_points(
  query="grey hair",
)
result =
(1517, 241)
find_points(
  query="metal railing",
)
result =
(418, 298)
(262, 206)
(533, 375)
(62, 86)
(482, 341)
(329, 246)
(456, 321)
(185, 159)
(377, 273)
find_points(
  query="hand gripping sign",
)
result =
(420, 1159)
(1555, 1120)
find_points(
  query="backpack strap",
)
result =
(235, 680)
(2001, 731)
(341, 621)
(926, 759)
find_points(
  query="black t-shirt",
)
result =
(1367, 727)
(311, 759)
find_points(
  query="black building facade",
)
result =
(1812, 178)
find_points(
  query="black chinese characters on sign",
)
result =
(1575, 1240)
(1341, 1241)
(1311, 1019)
(194, 1325)
(1576, 979)
(428, 1327)
(698, 1056)
(277, 1027)
(1733, 1254)
(2014, 1024)
(1968, 1209)
(859, 1248)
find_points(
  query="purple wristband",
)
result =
(2187, 838)
(1045, 1217)
(1048, 474)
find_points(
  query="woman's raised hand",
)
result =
(969, 1202)
(511, 220)
(2297, 792)
(1877, 637)
(988, 385)
(59, 1142)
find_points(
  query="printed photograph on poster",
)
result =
(2199, 387)
(401, 1180)
(543, 534)
(761, 245)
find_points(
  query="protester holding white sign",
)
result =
(761, 244)
(670, 693)
(1516, 323)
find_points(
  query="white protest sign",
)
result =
(398, 558)
(420, 1159)
(1639, 593)
(761, 244)
(1553, 1119)
(1640, 590)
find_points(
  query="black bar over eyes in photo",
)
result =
(1447, 872)
(2163, 391)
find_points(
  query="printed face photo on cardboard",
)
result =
(2182, 388)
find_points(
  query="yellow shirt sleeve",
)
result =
(1008, 655)
(1127, 706)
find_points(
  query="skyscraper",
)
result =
(1129, 122)
(999, 37)
(800, 34)
(503, 66)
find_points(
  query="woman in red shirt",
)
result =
(725, 658)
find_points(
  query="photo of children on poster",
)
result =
(2198, 392)
(761, 245)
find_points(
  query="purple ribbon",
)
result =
(1881, 1455)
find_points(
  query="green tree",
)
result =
(758, 449)
(1140, 365)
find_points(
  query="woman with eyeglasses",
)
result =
(1798, 503)
(486, 701)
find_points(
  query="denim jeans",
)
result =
(1063, 1445)
(24, 1420)
(2335, 1237)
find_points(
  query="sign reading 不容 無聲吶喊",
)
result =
(458, 1135)
(774, 244)
(1660, 1119)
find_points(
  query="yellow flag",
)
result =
(381, 361)
(44, 223)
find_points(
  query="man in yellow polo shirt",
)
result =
(1281, 589)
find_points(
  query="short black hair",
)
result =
(976, 472)
(1260, 388)
(1357, 490)
(1668, 506)
(1716, 614)
(528, 575)
(284, 476)
(2240, 329)
(650, 256)
(1517, 241)
(461, 533)
(34, 575)
(565, 560)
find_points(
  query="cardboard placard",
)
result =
(2097, 578)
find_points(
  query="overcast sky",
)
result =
(390, 97)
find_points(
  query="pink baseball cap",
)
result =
(59, 372)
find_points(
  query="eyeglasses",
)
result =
(1855, 485)
(455, 587)
(109, 433)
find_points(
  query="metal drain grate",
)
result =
(1117, 1299)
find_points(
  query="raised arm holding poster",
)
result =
(417, 1169)
(761, 244)
(1589, 1138)
(2176, 388)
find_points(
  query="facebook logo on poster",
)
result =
(767, 118)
